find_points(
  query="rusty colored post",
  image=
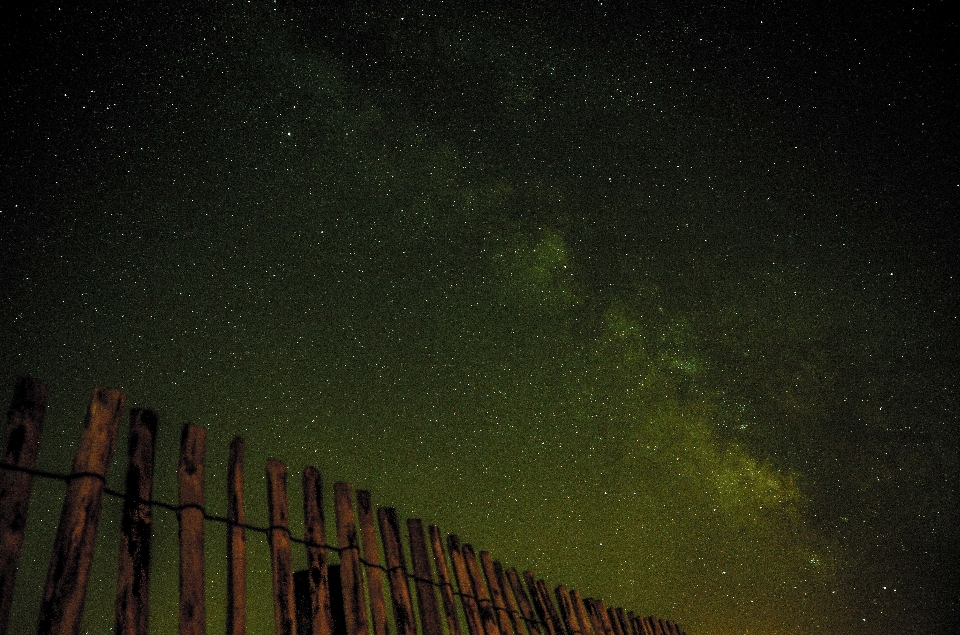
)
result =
(423, 579)
(320, 613)
(193, 616)
(511, 607)
(580, 610)
(497, 603)
(284, 609)
(351, 577)
(371, 558)
(21, 444)
(567, 611)
(468, 599)
(66, 586)
(443, 576)
(487, 617)
(133, 577)
(526, 608)
(236, 543)
(397, 571)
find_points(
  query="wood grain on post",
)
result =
(608, 625)
(497, 603)
(397, 571)
(320, 612)
(582, 615)
(622, 617)
(523, 602)
(468, 599)
(284, 608)
(371, 558)
(193, 616)
(512, 608)
(551, 609)
(133, 577)
(632, 623)
(236, 543)
(66, 585)
(599, 618)
(423, 579)
(653, 625)
(487, 616)
(539, 607)
(611, 618)
(567, 611)
(351, 577)
(21, 444)
(443, 576)
(672, 627)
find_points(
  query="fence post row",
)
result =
(493, 600)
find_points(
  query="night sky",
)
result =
(657, 302)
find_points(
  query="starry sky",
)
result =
(659, 302)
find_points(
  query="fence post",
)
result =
(66, 587)
(487, 617)
(497, 603)
(544, 605)
(133, 575)
(284, 611)
(580, 610)
(396, 571)
(321, 616)
(423, 579)
(193, 618)
(567, 611)
(526, 609)
(443, 576)
(22, 442)
(236, 543)
(371, 562)
(351, 577)
(467, 597)
(512, 609)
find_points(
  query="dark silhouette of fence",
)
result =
(324, 599)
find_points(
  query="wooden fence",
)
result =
(325, 599)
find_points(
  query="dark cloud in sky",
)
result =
(659, 303)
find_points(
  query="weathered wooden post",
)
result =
(511, 607)
(284, 608)
(236, 543)
(320, 616)
(497, 603)
(396, 571)
(133, 576)
(66, 586)
(371, 560)
(526, 608)
(190, 513)
(423, 579)
(567, 612)
(443, 575)
(468, 598)
(351, 577)
(580, 610)
(22, 442)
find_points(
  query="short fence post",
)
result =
(351, 577)
(397, 571)
(567, 611)
(22, 442)
(236, 543)
(284, 609)
(487, 617)
(371, 564)
(468, 598)
(510, 603)
(423, 579)
(133, 576)
(580, 610)
(66, 586)
(497, 603)
(193, 618)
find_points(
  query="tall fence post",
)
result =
(423, 579)
(468, 599)
(397, 571)
(236, 543)
(523, 602)
(133, 575)
(351, 577)
(321, 616)
(487, 618)
(193, 618)
(443, 576)
(371, 562)
(22, 442)
(498, 605)
(284, 611)
(66, 587)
